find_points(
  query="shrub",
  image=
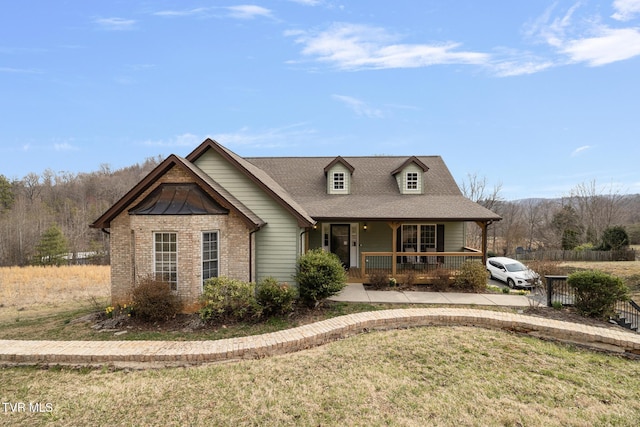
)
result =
(224, 298)
(410, 278)
(379, 279)
(319, 274)
(614, 238)
(597, 293)
(472, 276)
(275, 298)
(441, 279)
(153, 300)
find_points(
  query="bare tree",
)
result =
(476, 189)
(597, 208)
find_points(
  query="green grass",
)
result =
(415, 377)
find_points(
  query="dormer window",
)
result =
(338, 181)
(339, 175)
(410, 176)
(411, 181)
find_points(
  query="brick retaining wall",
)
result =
(169, 353)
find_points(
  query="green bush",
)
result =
(319, 274)
(473, 276)
(597, 293)
(614, 239)
(153, 300)
(275, 298)
(224, 298)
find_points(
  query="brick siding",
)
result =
(132, 246)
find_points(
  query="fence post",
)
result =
(549, 290)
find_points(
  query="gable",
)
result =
(178, 199)
(191, 173)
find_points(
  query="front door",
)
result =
(340, 242)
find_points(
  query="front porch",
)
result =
(421, 267)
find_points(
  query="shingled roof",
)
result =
(374, 190)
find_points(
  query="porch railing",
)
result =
(414, 262)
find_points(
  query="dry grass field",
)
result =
(35, 290)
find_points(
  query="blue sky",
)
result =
(537, 96)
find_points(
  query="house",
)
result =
(214, 213)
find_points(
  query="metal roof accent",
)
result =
(178, 199)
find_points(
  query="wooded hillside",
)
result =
(31, 206)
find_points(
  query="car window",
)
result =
(515, 267)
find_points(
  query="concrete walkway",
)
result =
(146, 354)
(358, 293)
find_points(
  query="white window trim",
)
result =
(343, 180)
(155, 254)
(418, 235)
(202, 260)
(416, 182)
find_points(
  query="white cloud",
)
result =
(115, 24)
(611, 45)
(307, 2)
(626, 10)
(356, 47)
(248, 11)
(189, 12)
(358, 106)
(19, 70)
(585, 38)
(580, 150)
(285, 136)
(64, 146)
(184, 140)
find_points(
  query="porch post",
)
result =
(483, 226)
(394, 242)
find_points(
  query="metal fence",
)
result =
(559, 292)
(586, 255)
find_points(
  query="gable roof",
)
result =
(340, 160)
(374, 190)
(258, 176)
(226, 199)
(412, 159)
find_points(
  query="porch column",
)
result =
(483, 226)
(394, 242)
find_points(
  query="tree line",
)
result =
(590, 217)
(50, 213)
(45, 215)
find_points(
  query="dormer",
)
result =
(339, 173)
(410, 176)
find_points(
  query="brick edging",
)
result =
(168, 353)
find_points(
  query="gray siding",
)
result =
(277, 243)
(453, 236)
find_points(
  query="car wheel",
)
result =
(511, 283)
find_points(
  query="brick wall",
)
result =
(132, 246)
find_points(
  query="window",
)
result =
(166, 258)
(418, 237)
(412, 181)
(338, 181)
(209, 255)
